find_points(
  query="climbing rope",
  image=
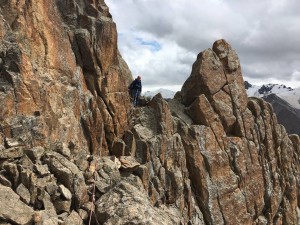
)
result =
(92, 209)
(95, 157)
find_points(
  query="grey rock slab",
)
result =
(15, 152)
(35, 153)
(12, 208)
(72, 219)
(24, 193)
(62, 168)
(128, 163)
(127, 203)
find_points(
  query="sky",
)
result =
(160, 39)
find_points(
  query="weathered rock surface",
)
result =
(62, 77)
(245, 152)
(71, 146)
(130, 192)
(12, 209)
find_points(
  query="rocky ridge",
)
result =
(72, 150)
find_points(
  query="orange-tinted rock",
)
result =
(223, 106)
(58, 68)
(207, 77)
(163, 114)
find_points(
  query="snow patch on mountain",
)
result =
(291, 96)
(164, 92)
(266, 89)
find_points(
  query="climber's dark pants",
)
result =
(135, 96)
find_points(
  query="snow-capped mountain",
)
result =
(164, 92)
(291, 96)
(285, 102)
(266, 89)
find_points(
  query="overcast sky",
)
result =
(160, 39)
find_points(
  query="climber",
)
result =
(135, 89)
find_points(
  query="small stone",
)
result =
(35, 153)
(26, 162)
(24, 193)
(73, 218)
(63, 169)
(51, 187)
(62, 206)
(65, 192)
(42, 169)
(102, 186)
(14, 152)
(37, 217)
(63, 216)
(65, 151)
(80, 191)
(83, 214)
(12, 143)
(82, 162)
(87, 206)
(128, 163)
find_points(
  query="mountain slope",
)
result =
(287, 115)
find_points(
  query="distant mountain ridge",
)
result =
(265, 89)
(164, 92)
(285, 102)
(289, 95)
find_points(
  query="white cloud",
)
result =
(265, 34)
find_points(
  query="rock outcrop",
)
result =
(250, 161)
(62, 77)
(73, 151)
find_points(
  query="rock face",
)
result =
(73, 151)
(244, 163)
(62, 77)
